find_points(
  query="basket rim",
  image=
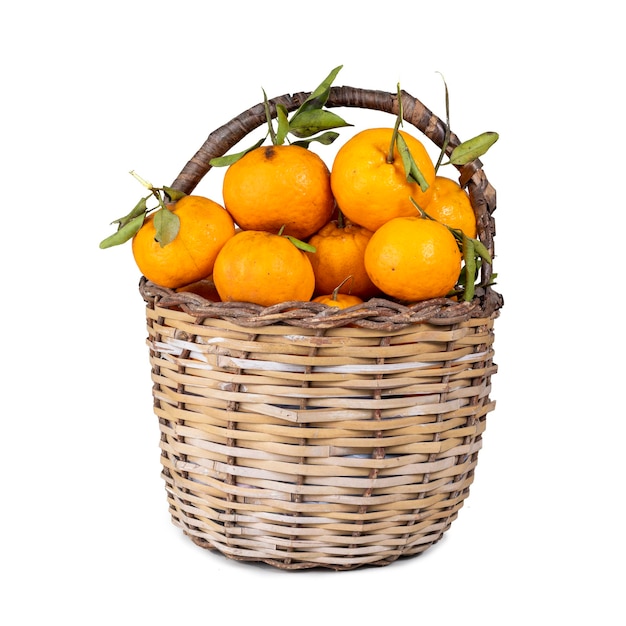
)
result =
(377, 312)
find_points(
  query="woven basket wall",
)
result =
(303, 436)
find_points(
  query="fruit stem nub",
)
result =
(335, 293)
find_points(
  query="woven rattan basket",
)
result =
(302, 435)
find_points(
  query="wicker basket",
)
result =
(301, 435)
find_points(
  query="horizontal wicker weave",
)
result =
(304, 436)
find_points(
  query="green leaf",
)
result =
(470, 268)
(319, 96)
(472, 149)
(325, 139)
(482, 251)
(302, 245)
(308, 123)
(166, 224)
(413, 173)
(174, 194)
(283, 124)
(139, 209)
(229, 159)
(124, 233)
(462, 278)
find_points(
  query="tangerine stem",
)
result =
(143, 181)
(340, 285)
(396, 128)
(159, 199)
(446, 139)
(268, 117)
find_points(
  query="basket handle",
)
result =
(471, 175)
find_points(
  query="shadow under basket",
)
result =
(302, 435)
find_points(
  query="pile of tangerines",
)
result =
(292, 228)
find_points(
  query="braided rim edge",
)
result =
(376, 313)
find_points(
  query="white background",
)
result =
(91, 91)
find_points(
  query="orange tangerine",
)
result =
(340, 248)
(205, 226)
(263, 268)
(371, 190)
(279, 186)
(450, 205)
(412, 259)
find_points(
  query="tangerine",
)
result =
(411, 258)
(272, 187)
(368, 188)
(450, 204)
(340, 247)
(205, 226)
(262, 268)
(204, 287)
(338, 300)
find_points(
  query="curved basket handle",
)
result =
(471, 176)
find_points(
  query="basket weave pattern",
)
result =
(305, 436)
